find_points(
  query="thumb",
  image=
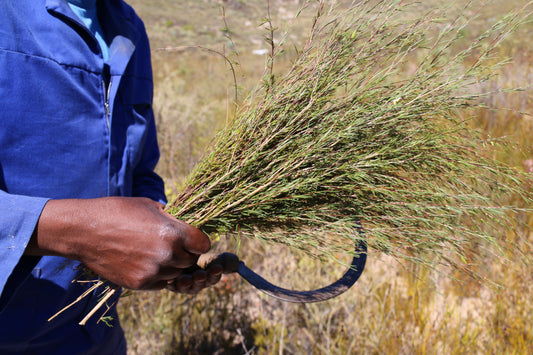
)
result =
(195, 241)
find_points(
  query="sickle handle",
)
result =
(230, 262)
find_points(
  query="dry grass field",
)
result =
(395, 308)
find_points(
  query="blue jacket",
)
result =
(70, 127)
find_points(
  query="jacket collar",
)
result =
(120, 31)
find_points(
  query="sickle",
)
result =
(231, 264)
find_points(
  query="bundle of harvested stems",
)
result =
(347, 136)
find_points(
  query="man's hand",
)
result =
(131, 242)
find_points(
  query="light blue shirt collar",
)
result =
(86, 10)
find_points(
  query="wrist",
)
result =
(57, 229)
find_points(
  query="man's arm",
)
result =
(129, 241)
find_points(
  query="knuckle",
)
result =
(165, 256)
(168, 230)
(136, 284)
(144, 277)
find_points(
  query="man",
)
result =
(77, 186)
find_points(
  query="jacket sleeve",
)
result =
(146, 183)
(18, 218)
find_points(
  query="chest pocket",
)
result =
(135, 118)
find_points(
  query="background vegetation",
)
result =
(394, 308)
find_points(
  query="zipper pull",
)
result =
(106, 102)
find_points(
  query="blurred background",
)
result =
(395, 308)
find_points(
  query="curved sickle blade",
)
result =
(338, 287)
(231, 264)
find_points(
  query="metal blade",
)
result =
(335, 289)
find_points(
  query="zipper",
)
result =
(107, 92)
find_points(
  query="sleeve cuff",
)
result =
(17, 222)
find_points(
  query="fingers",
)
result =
(169, 273)
(214, 274)
(194, 281)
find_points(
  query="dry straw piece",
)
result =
(369, 126)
